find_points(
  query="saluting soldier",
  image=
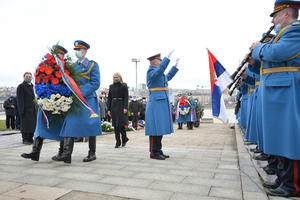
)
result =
(158, 112)
(80, 124)
(280, 96)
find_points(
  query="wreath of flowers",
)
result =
(52, 94)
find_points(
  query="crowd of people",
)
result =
(39, 122)
(268, 108)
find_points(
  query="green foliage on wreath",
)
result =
(199, 110)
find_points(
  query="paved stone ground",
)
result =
(209, 162)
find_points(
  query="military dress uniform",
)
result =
(158, 112)
(42, 131)
(280, 95)
(79, 123)
(244, 105)
(250, 135)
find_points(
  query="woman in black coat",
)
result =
(117, 104)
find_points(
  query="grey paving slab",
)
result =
(223, 176)
(114, 172)
(86, 186)
(160, 176)
(77, 195)
(254, 196)
(37, 192)
(213, 182)
(7, 186)
(126, 181)
(225, 192)
(187, 196)
(140, 193)
(180, 187)
(81, 176)
(39, 180)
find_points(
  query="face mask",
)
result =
(78, 54)
(116, 80)
(277, 28)
(27, 80)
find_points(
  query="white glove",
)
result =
(169, 55)
(177, 61)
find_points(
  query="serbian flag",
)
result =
(219, 79)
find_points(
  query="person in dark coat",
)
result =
(135, 111)
(26, 107)
(10, 113)
(117, 104)
(102, 106)
(16, 113)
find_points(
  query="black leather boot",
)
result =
(36, 150)
(92, 152)
(68, 149)
(60, 151)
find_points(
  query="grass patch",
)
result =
(3, 126)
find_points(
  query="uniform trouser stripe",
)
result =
(296, 177)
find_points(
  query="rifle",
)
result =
(237, 74)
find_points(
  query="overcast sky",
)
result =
(119, 30)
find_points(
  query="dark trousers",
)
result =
(155, 145)
(190, 125)
(120, 130)
(180, 125)
(10, 122)
(273, 162)
(27, 136)
(18, 122)
(135, 121)
(92, 145)
(288, 175)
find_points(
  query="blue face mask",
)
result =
(78, 54)
(277, 28)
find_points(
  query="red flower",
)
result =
(50, 77)
(58, 74)
(55, 81)
(42, 75)
(126, 126)
(57, 67)
(46, 79)
(37, 72)
(37, 80)
(42, 67)
(49, 70)
(67, 72)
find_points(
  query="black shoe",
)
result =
(280, 193)
(117, 146)
(124, 143)
(89, 158)
(166, 156)
(271, 185)
(158, 157)
(261, 157)
(32, 156)
(57, 158)
(179, 128)
(269, 170)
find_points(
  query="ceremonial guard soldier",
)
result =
(41, 130)
(81, 124)
(280, 96)
(158, 112)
